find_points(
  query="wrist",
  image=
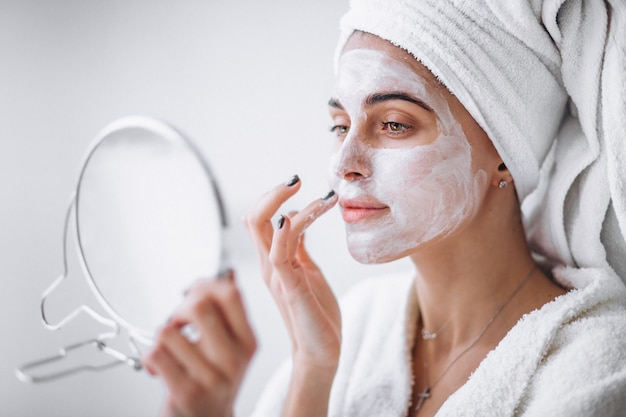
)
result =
(318, 376)
(309, 390)
(314, 368)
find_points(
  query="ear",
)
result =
(501, 173)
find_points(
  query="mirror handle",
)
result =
(82, 309)
(24, 373)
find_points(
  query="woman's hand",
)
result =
(306, 302)
(203, 373)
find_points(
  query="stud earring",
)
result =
(502, 184)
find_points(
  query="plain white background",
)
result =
(247, 80)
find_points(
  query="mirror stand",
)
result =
(28, 372)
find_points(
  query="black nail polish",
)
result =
(328, 196)
(227, 274)
(292, 181)
(281, 222)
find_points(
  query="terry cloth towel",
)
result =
(563, 360)
(547, 81)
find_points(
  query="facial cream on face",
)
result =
(405, 196)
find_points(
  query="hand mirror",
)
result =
(149, 222)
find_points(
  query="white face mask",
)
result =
(424, 192)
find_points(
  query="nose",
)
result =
(353, 159)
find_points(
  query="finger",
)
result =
(185, 392)
(258, 219)
(279, 253)
(317, 282)
(286, 239)
(302, 255)
(214, 341)
(287, 276)
(187, 355)
(161, 362)
(216, 312)
(303, 219)
(228, 301)
(232, 306)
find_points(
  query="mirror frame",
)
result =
(166, 131)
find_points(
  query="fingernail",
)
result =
(281, 222)
(228, 275)
(329, 195)
(292, 181)
(222, 275)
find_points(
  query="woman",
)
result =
(435, 168)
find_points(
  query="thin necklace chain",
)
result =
(428, 335)
(424, 395)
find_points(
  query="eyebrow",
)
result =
(333, 102)
(377, 98)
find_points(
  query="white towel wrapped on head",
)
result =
(547, 81)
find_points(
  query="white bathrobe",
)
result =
(546, 80)
(566, 359)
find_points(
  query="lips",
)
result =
(358, 209)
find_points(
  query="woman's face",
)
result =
(405, 172)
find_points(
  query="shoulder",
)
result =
(584, 370)
(593, 345)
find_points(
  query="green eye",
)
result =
(340, 129)
(395, 127)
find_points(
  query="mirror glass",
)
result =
(149, 222)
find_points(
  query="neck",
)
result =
(463, 282)
(472, 288)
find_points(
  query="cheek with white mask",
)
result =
(428, 190)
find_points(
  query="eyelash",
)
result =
(339, 129)
(387, 126)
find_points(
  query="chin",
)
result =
(372, 256)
